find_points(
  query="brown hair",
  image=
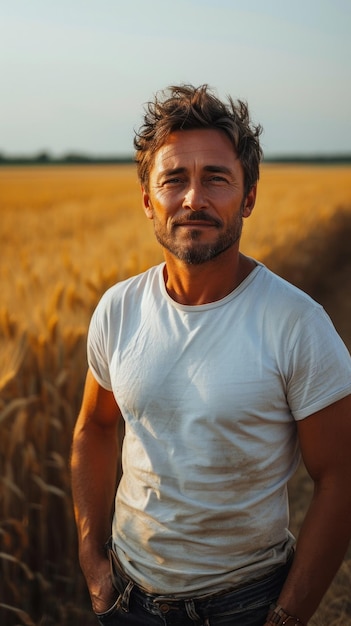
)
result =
(186, 107)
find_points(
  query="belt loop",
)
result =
(125, 597)
(190, 609)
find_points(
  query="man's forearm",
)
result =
(322, 543)
(94, 471)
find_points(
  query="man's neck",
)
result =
(207, 282)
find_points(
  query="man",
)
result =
(221, 372)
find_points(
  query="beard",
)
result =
(190, 249)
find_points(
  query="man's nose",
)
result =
(194, 199)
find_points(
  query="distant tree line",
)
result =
(317, 159)
(73, 158)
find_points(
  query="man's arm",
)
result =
(95, 453)
(325, 439)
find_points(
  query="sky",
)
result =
(76, 74)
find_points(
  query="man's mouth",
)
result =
(197, 221)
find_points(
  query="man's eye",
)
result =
(172, 181)
(218, 179)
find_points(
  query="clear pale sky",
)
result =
(76, 73)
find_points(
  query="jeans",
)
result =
(245, 606)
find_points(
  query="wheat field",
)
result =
(68, 233)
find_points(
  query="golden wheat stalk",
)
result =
(16, 405)
(22, 615)
(12, 355)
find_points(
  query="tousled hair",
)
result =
(185, 107)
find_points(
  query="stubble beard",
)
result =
(194, 252)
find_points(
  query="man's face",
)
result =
(196, 195)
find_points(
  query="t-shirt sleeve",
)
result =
(320, 366)
(97, 347)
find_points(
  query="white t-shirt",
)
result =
(210, 395)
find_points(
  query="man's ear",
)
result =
(147, 204)
(250, 201)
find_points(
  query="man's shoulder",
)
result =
(283, 298)
(281, 286)
(134, 286)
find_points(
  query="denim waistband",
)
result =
(271, 583)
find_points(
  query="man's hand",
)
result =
(102, 592)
